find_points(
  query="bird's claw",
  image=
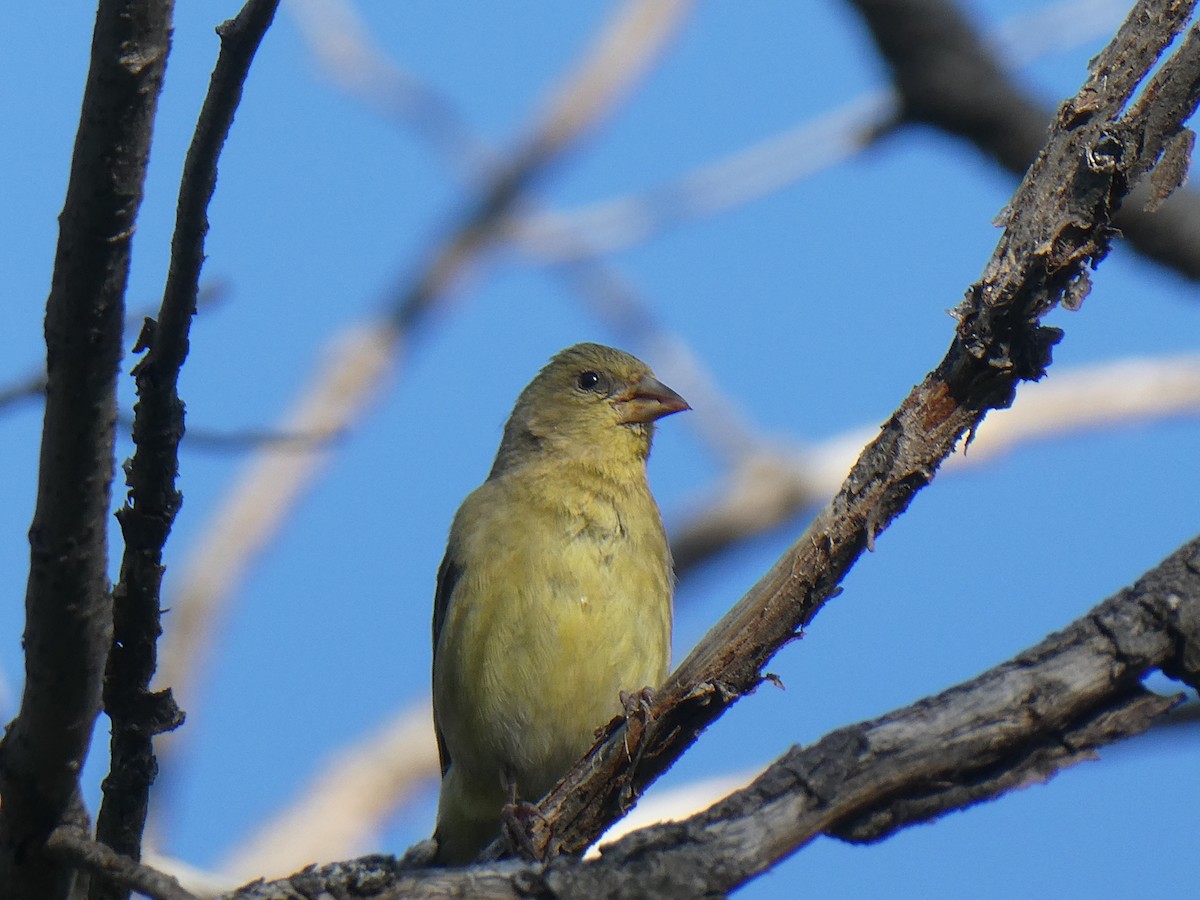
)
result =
(638, 714)
(638, 703)
(513, 819)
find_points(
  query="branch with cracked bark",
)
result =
(1023, 721)
(1058, 226)
(948, 77)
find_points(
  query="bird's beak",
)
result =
(645, 400)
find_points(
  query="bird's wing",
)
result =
(448, 574)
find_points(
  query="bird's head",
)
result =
(590, 401)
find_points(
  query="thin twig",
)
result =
(72, 846)
(137, 714)
(25, 388)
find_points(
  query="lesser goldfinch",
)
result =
(554, 596)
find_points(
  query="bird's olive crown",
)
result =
(592, 369)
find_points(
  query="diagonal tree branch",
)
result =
(73, 847)
(1023, 721)
(1057, 226)
(771, 487)
(68, 607)
(137, 714)
(948, 76)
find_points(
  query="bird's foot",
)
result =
(638, 716)
(638, 703)
(514, 817)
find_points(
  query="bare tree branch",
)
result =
(137, 714)
(948, 77)
(772, 486)
(1019, 723)
(68, 607)
(1057, 226)
(72, 846)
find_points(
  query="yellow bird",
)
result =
(555, 592)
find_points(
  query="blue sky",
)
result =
(815, 309)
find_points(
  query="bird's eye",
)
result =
(591, 381)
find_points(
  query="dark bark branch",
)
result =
(68, 607)
(1057, 227)
(73, 847)
(1021, 722)
(948, 77)
(138, 714)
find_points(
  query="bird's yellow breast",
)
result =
(567, 603)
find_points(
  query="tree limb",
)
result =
(68, 607)
(1021, 722)
(137, 714)
(767, 488)
(1057, 226)
(73, 847)
(948, 76)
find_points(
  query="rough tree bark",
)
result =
(68, 607)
